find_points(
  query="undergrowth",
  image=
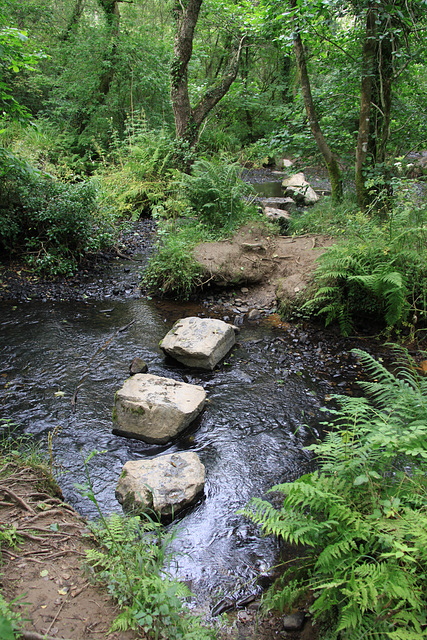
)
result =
(49, 224)
(362, 516)
(377, 270)
(212, 203)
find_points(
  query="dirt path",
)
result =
(268, 266)
(45, 573)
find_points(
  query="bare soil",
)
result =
(268, 266)
(56, 597)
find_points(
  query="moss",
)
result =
(138, 410)
(123, 474)
(115, 419)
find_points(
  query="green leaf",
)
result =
(360, 480)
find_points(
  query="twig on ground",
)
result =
(57, 614)
(32, 635)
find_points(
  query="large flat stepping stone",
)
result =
(199, 342)
(155, 409)
(167, 484)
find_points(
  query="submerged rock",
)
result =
(167, 484)
(199, 342)
(155, 409)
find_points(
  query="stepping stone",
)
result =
(155, 409)
(276, 214)
(199, 342)
(166, 484)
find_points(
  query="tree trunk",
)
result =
(328, 156)
(363, 136)
(74, 19)
(188, 120)
(112, 16)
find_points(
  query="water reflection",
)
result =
(249, 437)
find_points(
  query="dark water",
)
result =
(250, 437)
(268, 189)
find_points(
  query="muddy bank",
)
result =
(110, 275)
(265, 268)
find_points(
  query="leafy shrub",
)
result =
(362, 515)
(139, 174)
(51, 225)
(217, 194)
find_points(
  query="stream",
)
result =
(252, 434)
(250, 437)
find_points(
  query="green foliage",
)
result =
(210, 205)
(138, 175)
(217, 194)
(378, 269)
(9, 620)
(15, 55)
(172, 268)
(50, 224)
(133, 561)
(363, 515)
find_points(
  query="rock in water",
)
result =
(167, 484)
(138, 366)
(199, 342)
(299, 189)
(155, 409)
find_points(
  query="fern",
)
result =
(363, 516)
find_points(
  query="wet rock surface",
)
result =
(199, 342)
(156, 409)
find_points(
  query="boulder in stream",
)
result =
(166, 484)
(199, 342)
(299, 189)
(155, 409)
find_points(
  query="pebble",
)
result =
(254, 314)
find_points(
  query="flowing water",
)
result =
(250, 436)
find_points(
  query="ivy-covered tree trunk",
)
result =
(328, 156)
(74, 19)
(363, 136)
(188, 119)
(112, 16)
